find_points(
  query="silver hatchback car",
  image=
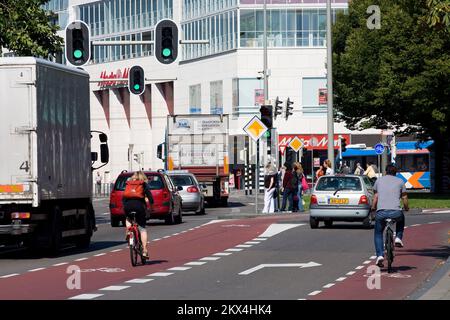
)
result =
(341, 198)
(190, 191)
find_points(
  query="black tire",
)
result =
(170, 219)
(55, 237)
(179, 217)
(115, 221)
(202, 210)
(328, 223)
(133, 253)
(389, 250)
(314, 223)
(367, 222)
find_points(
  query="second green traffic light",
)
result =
(136, 80)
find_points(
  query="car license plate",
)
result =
(339, 201)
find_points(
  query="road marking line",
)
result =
(315, 293)
(373, 257)
(277, 228)
(252, 242)
(9, 275)
(234, 249)
(104, 214)
(160, 274)
(244, 246)
(81, 259)
(117, 250)
(195, 263)
(183, 231)
(99, 255)
(60, 264)
(367, 262)
(405, 227)
(414, 225)
(139, 281)
(222, 254)
(434, 222)
(329, 285)
(341, 279)
(157, 239)
(179, 269)
(114, 288)
(87, 296)
(260, 239)
(359, 267)
(191, 229)
(350, 273)
(37, 269)
(166, 237)
(301, 299)
(210, 258)
(175, 234)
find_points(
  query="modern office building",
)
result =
(222, 77)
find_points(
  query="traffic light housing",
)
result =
(343, 145)
(278, 107)
(266, 115)
(78, 43)
(166, 41)
(136, 80)
(289, 108)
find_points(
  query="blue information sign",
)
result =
(379, 148)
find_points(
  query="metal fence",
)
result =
(102, 190)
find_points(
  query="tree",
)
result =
(439, 14)
(395, 77)
(25, 28)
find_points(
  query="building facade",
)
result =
(222, 77)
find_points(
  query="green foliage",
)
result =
(439, 14)
(25, 28)
(395, 77)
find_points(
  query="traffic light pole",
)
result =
(330, 118)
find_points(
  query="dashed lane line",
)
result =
(86, 296)
(329, 285)
(179, 269)
(60, 264)
(99, 254)
(160, 274)
(367, 262)
(210, 258)
(9, 275)
(260, 239)
(359, 267)
(341, 279)
(244, 246)
(234, 249)
(81, 259)
(37, 269)
(195, 263)
(252, 242)
(116, 250)
(314, 293)
(114, 288)
(350, 273)
(222, 253)
(139, 280)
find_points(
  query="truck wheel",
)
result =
(55, 235)
(170, 219)
(179, 217)
(84, 240)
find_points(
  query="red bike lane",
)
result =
(425, 247)
(51, 283)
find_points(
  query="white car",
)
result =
(341, 198)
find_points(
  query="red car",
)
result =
(166, 198)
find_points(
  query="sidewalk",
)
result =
(440, 289)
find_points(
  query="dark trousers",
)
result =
(288, 195)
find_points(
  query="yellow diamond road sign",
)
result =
(296, 144)
(255, 128)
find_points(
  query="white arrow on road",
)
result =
(280, 265)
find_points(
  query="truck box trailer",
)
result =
(45, 170)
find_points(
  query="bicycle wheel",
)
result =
(133, 252)
(389, 248)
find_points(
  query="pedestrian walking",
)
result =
(328, 167)
(320, 172)
(370, 172)
(359, 169)
(301, 187)
(98, 184)
(270, 177)
(345, 168)
(289, 185)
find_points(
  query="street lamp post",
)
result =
(330, 119)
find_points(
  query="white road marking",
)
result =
(183, 231)
(329, 285)
(117, 250)
(114, 288)
(175, 234)
(9, 275)
(434, 222)
(210, 258)
(86, 296)
(359, 267)
(191, 229)
(244, 246)
(99, 255)
(252, 242)
(81, 259)
(341, 279)
(166, 237)
(277, 228)
(139, 281)
(373, 257)
(406, 227)
(160, 274)
(234, 249)
(179, 269)
(260, 239)
(280, 265)
(414, 225)
(367, 262)
(157, 239)
(315, 293)
(350, 273)
(104, 214)
(195, 263)
(60, 264)
(222, 254)
(216, 221)
(37, 269)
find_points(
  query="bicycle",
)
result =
(389, 242)
(134, 241)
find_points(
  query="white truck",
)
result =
(46, 162)
(199, 144)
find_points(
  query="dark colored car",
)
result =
(167, 200)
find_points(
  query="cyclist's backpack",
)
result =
(134, 190)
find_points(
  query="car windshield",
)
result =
(180, 180)
(154, 182)
(341, 183)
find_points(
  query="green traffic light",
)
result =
(166, 52)
(77, 54)
(267, 134)
(137, 87)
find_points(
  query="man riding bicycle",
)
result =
(134, 201)
(388, 191)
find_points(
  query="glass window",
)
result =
(195, 99)
(216, 97)
(335, 183)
